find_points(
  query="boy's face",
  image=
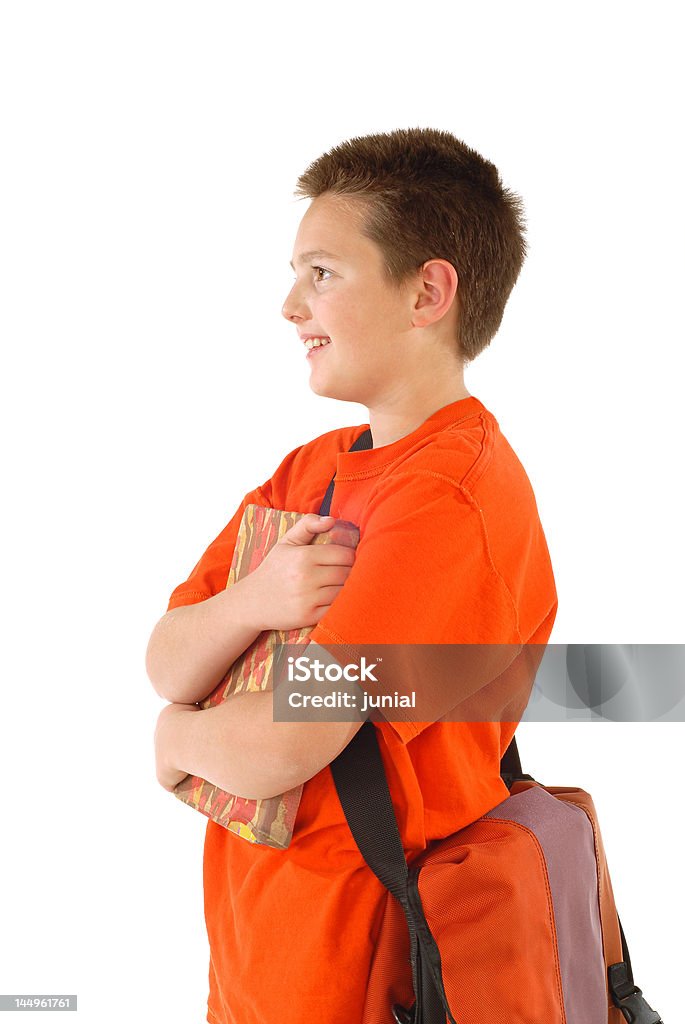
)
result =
(341, 293)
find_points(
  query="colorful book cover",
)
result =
(269, 821)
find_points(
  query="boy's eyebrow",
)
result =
(314, 254)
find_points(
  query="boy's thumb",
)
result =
(307, 527)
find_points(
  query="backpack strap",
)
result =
(381, 848)
(510, 765)
(625, 993)
(373, 825)
(363, 443)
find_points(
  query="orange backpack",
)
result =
(511, 920)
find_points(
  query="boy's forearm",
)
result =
(191, 648)
(236, 746)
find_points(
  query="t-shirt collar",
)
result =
(367, 461)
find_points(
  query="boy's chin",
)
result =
(340, 394)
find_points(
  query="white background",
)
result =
(150, 151)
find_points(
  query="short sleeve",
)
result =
(422, 575)
(210, 575)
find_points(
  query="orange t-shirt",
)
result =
(451, 551)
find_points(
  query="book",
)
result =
(269, 821)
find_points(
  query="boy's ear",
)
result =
(437, 285)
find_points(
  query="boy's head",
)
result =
(420, 194)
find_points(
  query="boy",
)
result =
(404, 261)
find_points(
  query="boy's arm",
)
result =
(192, 647)
(238, 746)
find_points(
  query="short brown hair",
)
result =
(429, 196)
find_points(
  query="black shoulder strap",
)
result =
(371, 818)
(373, 824)
(363, 442)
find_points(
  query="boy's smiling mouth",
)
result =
(315, 342)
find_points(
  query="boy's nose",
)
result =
(293, 307)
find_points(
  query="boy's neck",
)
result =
(389, 423)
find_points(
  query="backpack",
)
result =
(510, 920)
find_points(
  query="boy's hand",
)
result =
(298, 581)
(169, 776)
